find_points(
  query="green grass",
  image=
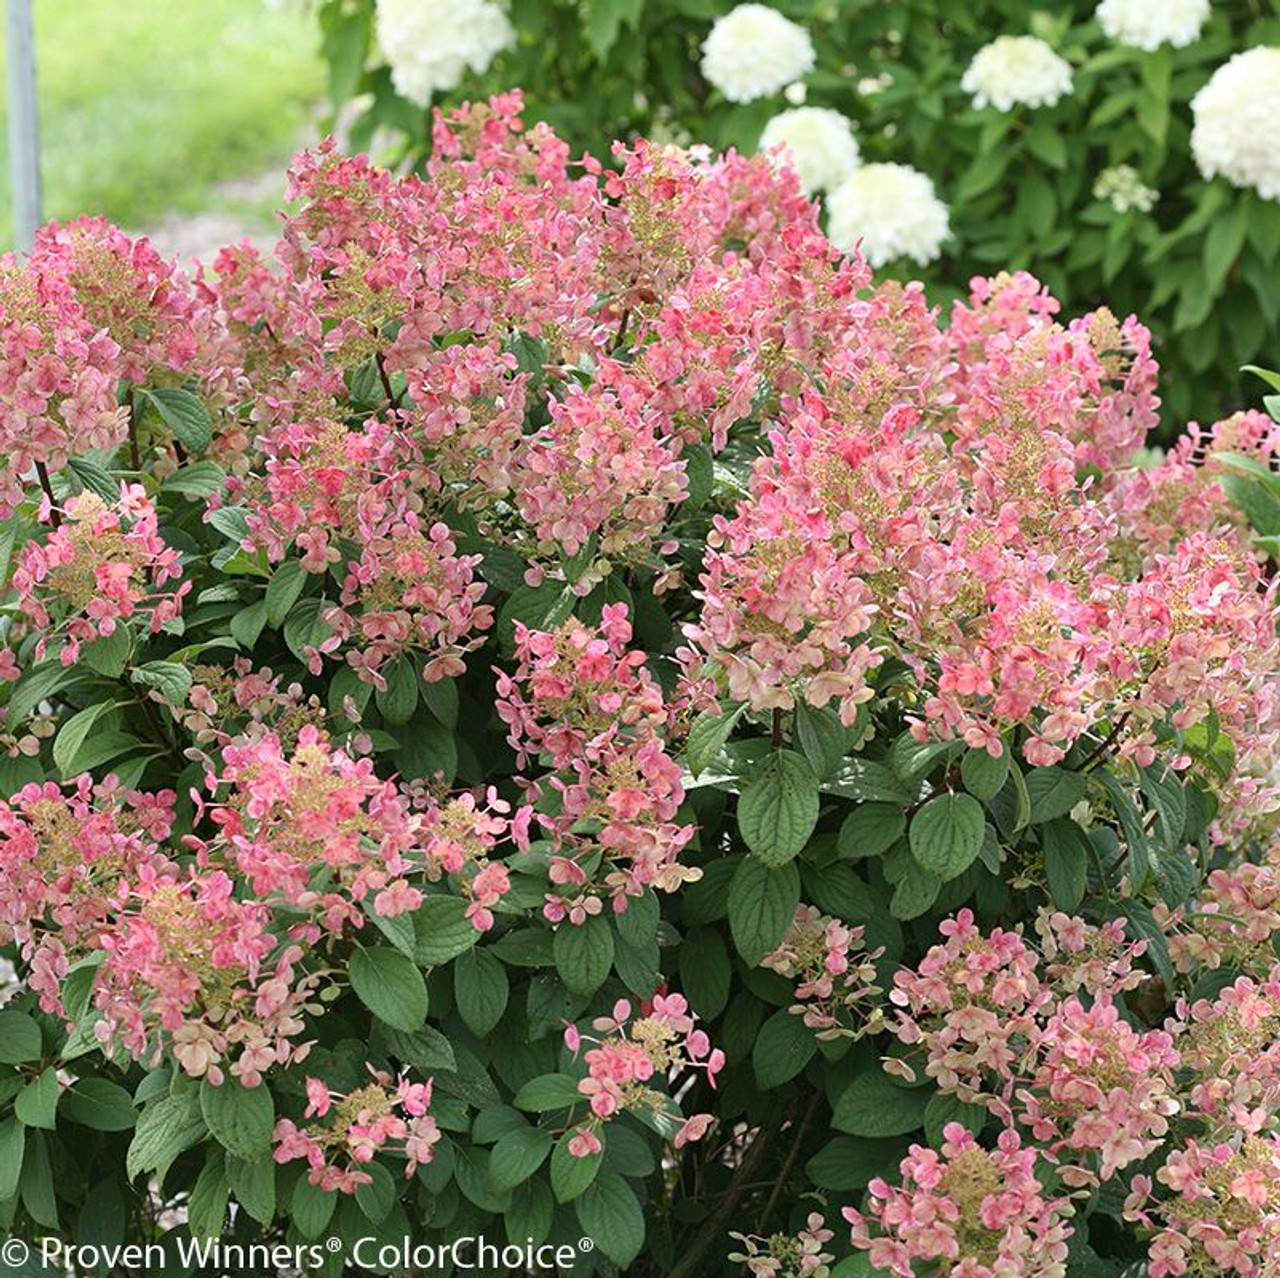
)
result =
(145, 105)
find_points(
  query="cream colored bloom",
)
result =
(431, 44)
(753, 51)
(1236, 134)
(817, 142)
(1147, 24)
(1017, 70)
(892, 210)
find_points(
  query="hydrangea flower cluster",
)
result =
(195, 971)
(1147, 24)
(585, 702)
(888, 211)
(997, 591)
(348, 1130)
(100, 566)
(430, 46)
(1017, 71)
(1041, 1041)
(621, 1064)
(89, 309)
(753, 52)
(831, 983)
(1222, 1214)
(1234, 122)
(787, 1256)
(67, 857)
(817, 142)
(970, 1211)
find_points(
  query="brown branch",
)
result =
(42, 473)
(716, 1226)
(801, 1131)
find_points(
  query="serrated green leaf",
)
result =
(241, 1118)
(778, 808)
(584, 954)
(762, 903)
(390, 986)
(946, 834)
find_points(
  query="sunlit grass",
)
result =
(146, 104)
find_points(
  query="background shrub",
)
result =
(1022, 185)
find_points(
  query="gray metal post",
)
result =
(24, 123)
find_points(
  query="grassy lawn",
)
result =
(146, 104)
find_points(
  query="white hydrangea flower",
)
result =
(819, 144)
(753, 51)
(1237, 122)
(1124, 189)
(892, 209)
(1014, 70)
(1147, 24)
(431, 44)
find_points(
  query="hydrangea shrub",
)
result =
(1123, 150)
(555, 707)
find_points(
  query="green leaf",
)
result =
(707, 735)
(283, 591)
(69, 743)
(241, 1118)
(1223, 244)
(705, 972)
(783, 1048)
(168, 678)
(611, 1214)
(311, 1208)
(37, 1103)
(584, 954)
(207, 1206)
(866, 781)
(848, 1162)
(870, 829)
(762, 904)
(517, 1155)
(915, 892)
(1066, 862)
(199, 480)
(13, 1139)
(548, 1092)
(247, 625)
(778, 809)
(20, 1040)
(983, 776)
(390, 986)
(442, 930)
(441, 699)
(871, 1105)
(99, 1104)
(822, 737)
(305, 627)
(481, 990)
(110, 654)
(398, 700)
(166, 1127)
(1053, 792)
(946, 834)
(570, 1176)
(378, 1196)
(185, 415)
(253, 1186)
(89, 475)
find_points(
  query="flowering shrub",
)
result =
(555, 707)
(1123, 149)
